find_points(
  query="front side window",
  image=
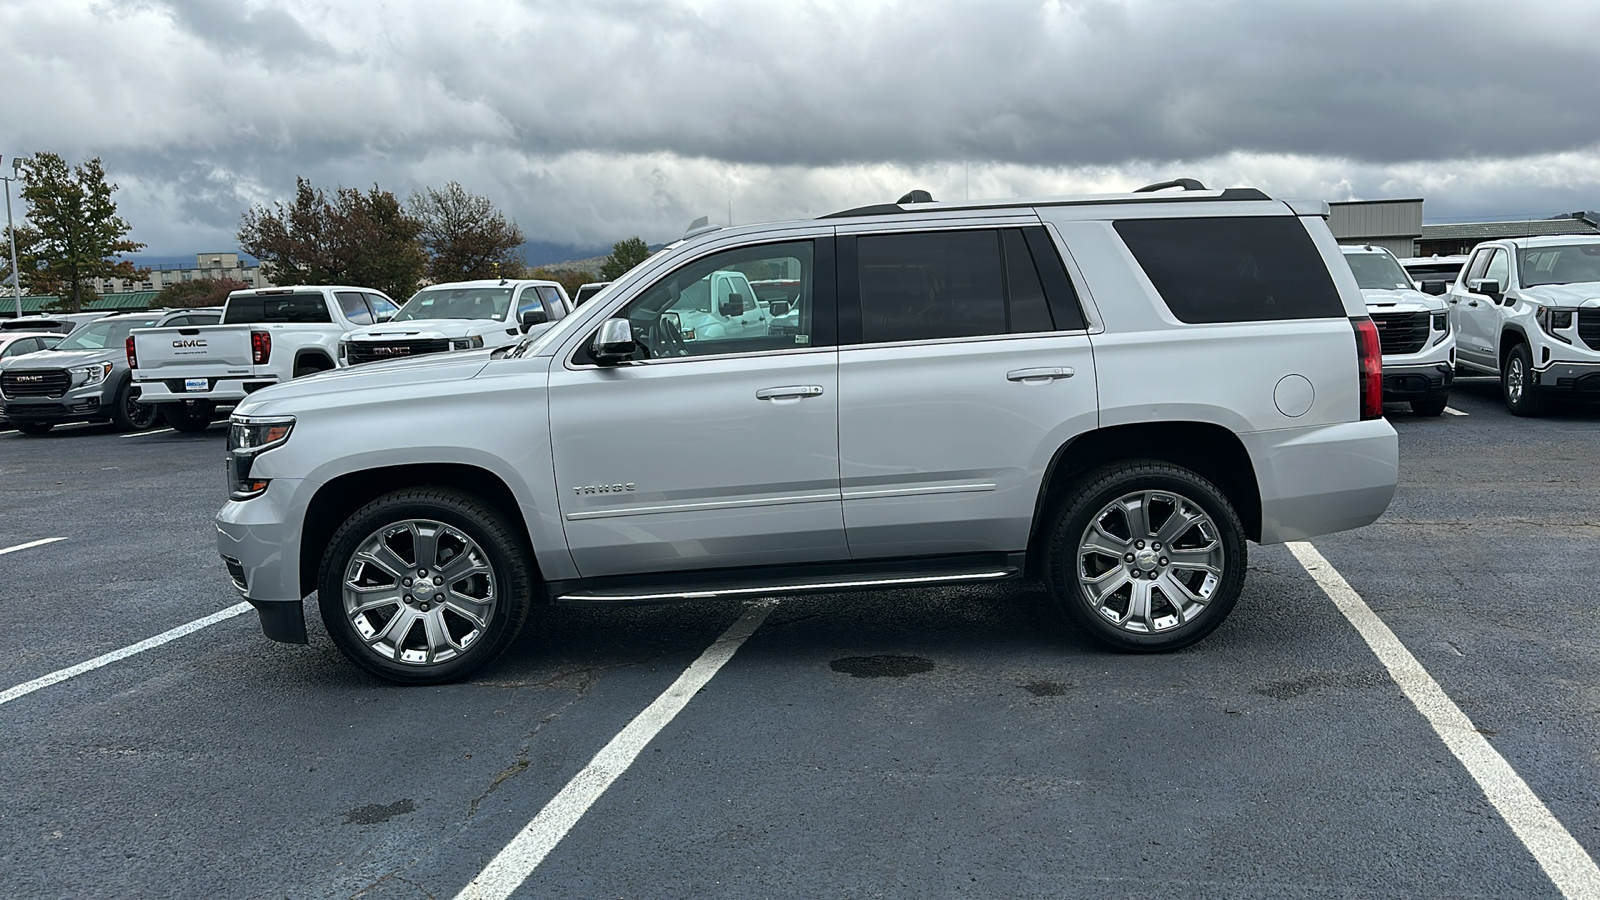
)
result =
(1563, 264)
(529, 301)
(712, 307)
(457, 303)
(382, 307)
(355, 308)
(1479, 263)
(1498, 269)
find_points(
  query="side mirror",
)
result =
(1436, 288)
(1488, 287)
(733, 306)
(613, 343)
(533, 317)
(383, 317)
(778, 307)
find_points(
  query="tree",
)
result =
(569, 279)
(70, 232)
(199, 292)
(624, 256)
(466, 237)
(348, 237)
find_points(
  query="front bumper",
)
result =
(1324, 478)
(1578, 377)
(80, 405)
(1414, 381)
(259, 540)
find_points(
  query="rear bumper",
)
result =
(230, 389)
(1323, 479)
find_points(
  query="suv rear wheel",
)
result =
(1519, 384)
(424, 586)
(1146, 556)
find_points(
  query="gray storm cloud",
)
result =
(591, 121)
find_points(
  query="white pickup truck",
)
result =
(267, 336)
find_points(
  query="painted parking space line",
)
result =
(147, 433)
(517, 860)
(1452, 411)
(1563, 859)
(39, 543)
(28, 687)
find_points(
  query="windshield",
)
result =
(103, 335)
(1561, 264)
(1377, 272)
(457, 303)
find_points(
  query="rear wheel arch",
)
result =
(1209, 450)
(337, 500)
(312, 359)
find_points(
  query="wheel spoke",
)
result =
(425, 536)
(459, 605)
(1100, 541)
(1105, 585)
(438, 635)
(1139, 607)
(379, 554)
(468, 563)
(1136, 509)
(1200, 559)
(394, 631)
(368, 604)
(1183, 518)
(1178, 594)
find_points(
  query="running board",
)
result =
(759, 586)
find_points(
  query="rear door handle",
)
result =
(790, 392)
(1039, 375)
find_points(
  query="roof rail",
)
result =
(891, 209)
(916, 197)
(1188, 184)
(699, 226)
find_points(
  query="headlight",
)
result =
(1553, 319)
(249, 437)
(83, 376)
(471, 343)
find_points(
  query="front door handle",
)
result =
(1039, 375)
(1472, 303)
(790, 392)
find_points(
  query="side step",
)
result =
(708, 585)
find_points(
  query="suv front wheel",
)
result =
(424, 586)
(1146, 556)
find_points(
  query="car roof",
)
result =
(1362, 248)
(1440, 260)
(488, 283)
(11, 335)
(1552, 240)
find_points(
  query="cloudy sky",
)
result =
(595, 120)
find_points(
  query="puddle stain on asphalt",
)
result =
(1047, 688)
(881, 666)
(377, 813)
(1289, 689)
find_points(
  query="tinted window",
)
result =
(250, 309)
(207, 319)
(104, 334)
(917, 287)
(711, 307)
(19, 347)
(1026, 304)
(552, 301)
(1234, 269)
(354, 307)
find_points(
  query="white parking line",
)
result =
(28, 687)
(147, 433)
(39, 543)
(1562, 857)
(517, 860)
(1452, 411)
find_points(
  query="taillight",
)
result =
(1370, 369)
(133, 358)
(260, 347)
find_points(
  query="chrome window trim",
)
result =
(754, 354)
(970, 339)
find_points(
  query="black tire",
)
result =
(130, 415)
(1085, 503)
(33, 427)
(1430, 406)
(189, 415)
(1519, 385)
(503, 549)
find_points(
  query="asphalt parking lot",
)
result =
(885, 744)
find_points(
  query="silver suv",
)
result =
(1113, 394)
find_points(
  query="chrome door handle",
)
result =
(790, 392)
(1048, 373)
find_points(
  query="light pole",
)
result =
(11, 231)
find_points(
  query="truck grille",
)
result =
(357, 352)
(36, 383)
(1589, 327)
(1401, 333)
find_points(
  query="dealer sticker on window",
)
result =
(196, 384)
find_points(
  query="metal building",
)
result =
(1394, 225)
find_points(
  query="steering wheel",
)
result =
(672, 342)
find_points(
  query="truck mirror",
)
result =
(532, 317)
(733, 306)
(778, 307)
(613, 343)
(1489, 288)
(1435, 288)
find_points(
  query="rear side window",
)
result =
(251, 309)
(1233, 269)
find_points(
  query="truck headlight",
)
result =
(249, 437)
(471, 343)
(83, 376)
(1553, 319)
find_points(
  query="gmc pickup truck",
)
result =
(267, 336)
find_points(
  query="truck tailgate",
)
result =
(192, 350)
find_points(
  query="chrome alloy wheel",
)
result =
(1514, 377)
(419, 592)
(1150, 561)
